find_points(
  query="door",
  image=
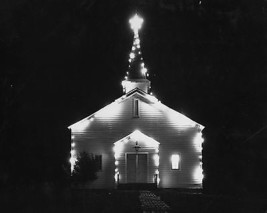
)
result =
(137, 168)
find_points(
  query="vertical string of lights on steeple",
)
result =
(137, 67)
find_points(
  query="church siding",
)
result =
(174, 137)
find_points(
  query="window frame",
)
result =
(136, 108)
(179, 162)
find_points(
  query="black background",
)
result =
(63, 59)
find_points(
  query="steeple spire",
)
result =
(137, 68)
(137, 72)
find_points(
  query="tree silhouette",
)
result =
(85, 169)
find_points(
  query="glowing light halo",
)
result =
(136, 23)
(198, 141)
(132, 55)
(156, 160)
(144, 70)
(198, 174)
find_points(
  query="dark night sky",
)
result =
(66, 59)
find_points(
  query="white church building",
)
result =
(137, 139)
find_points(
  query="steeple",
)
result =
(137, 72)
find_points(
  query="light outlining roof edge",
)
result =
(155, 100)
(200, 126)
(88, 117)
(132, 134)
(151, 98)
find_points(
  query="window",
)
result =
(98, 160)
(175, 159)
(136, 108)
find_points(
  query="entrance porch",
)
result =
(136, 161)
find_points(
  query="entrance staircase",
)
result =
(152, 203)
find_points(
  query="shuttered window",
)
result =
(135, 108)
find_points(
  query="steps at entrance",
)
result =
(137, 186)
(152, 203)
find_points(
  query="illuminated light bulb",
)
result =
(116, 163)
(137, 42)
(147, 74)
(139, 52)
(72, 160)
(138, 46)
(72, 137)
(136, 23)
(116, 170)
(198, 140)
(144, 70)
(72, 144)
(117, 155)
(198, 174)
(125, 77)
(142, 64)
(133, 48)
(127, 73)
(130, 60)
(132, 55)
(116, 176)
(156, 159)
(151, 93)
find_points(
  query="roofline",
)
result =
(116, 101)
(129, 94)
(132, 133)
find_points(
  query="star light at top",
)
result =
(136, 23)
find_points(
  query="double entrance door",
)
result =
(136, 168)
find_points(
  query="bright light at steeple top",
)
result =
(136, 23)
(137, 73)
(137, 69)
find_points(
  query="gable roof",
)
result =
(148, 98)
(137, 135)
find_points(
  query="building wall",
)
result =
(174, 132)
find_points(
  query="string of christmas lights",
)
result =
(137, 69)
